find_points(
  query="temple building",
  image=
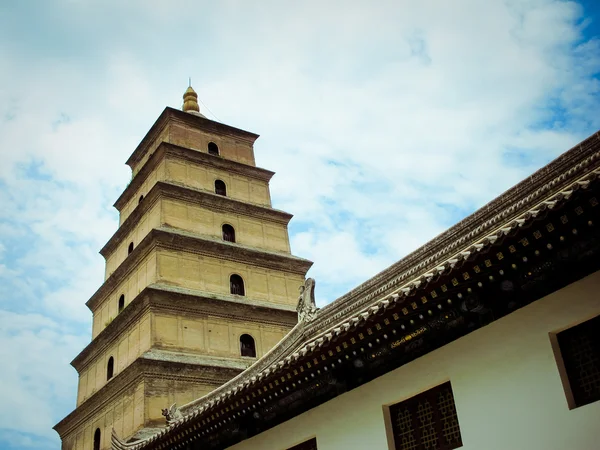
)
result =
(487, 337)
(199, 283)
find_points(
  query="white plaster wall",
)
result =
(506, 384)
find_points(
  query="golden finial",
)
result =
(190, 100)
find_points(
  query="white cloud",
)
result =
(37, 380)
(385, 124)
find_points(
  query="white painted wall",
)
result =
(505, 379)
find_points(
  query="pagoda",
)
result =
(199, 281)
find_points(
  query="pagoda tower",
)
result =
(199, 282)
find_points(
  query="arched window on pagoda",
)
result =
(97, 439)
(228, 233)
(247, 346)
(110, 368)
(213, 149)
(236, 285)
(130, 248)
(220, 187)
(121, 302)
(141, 198)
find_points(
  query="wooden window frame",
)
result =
(564, 362)
(411, 404)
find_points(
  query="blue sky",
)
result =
(385, 122)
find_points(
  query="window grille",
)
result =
(236, 285)
(580, 351)
(427, 421)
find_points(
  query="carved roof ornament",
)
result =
(307, 308)
(172, 414)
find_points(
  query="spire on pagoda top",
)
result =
(190, 101)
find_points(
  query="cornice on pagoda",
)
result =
(168, 150)
(206, 199)
(142, 369)
(189, 303)
(183, 241)
(200, 123)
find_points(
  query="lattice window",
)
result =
(580, 351)
(311, 444)
(427, 421)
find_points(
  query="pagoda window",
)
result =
(236, 285)
(110, 368)
(426, 421)
(97, 439)
(220, 187)
(247, 346)
(141, 198)
(213, 149)
(228, 233)
(130, 248)
(311, 444)
(577, 351)
(121, 302)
